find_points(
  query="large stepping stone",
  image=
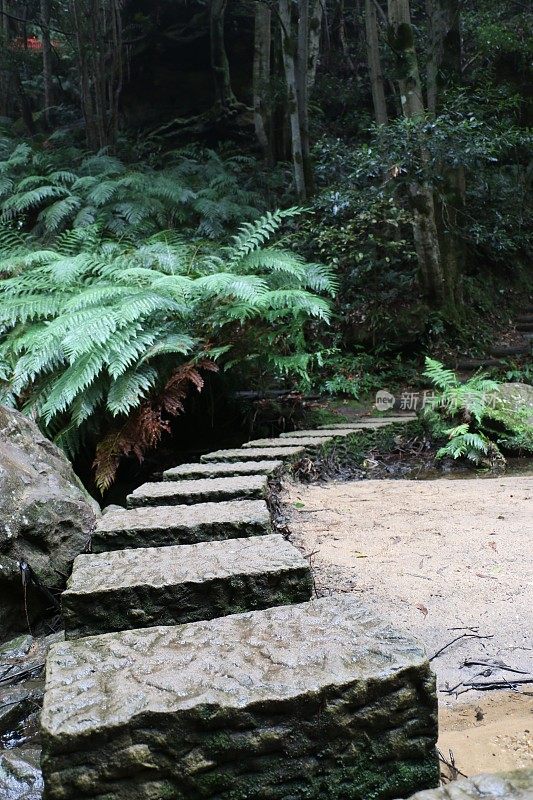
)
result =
(370, 423)
(280, 453)
(204, 490)
(306, 442)
(313, 701)
(517, 785)
(168, 525)
(221, 470)
(173, 585)
(319, 434)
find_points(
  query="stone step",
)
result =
(221, 470)
(204, 490)
(505, 350)
(370, 423)
(525, 327)
(319, 434)
(280, 453)
(172, 585)
(307, 442)
(167, 525)
(318, 700)
(472, 364)
(525, 318)
(515, 785)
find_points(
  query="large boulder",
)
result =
(516, 396)
(46, 517)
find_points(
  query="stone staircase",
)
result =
(523, 324)
(196, 665)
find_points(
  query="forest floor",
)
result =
(442, 559)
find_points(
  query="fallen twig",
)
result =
(494, 665)
(496, 684)
(452, 766)
(458, 638)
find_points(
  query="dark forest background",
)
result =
(203, 201)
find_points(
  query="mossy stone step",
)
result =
(167, 525)
(173, 585)
(319, 433)
(516, 785)
(203, 490)
(223, 469)
(306, 442)
(318, 700)
(281, 453)
(368, 423)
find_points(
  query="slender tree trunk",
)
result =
(444, 61)
(48, 80)
(315, 31)
(402, 43)
(261, 78)
(225, 100)
(302, 88)
(98, 28)
(374, 64)
(23, 102)
(444, 70)
(289, 47)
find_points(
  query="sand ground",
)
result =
(442, 559)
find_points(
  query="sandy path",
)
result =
(433, 556)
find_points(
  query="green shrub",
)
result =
(91, 330)
(476, 424)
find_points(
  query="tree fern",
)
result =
(93, 329)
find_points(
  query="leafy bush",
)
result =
(475, 423)
(93, 330)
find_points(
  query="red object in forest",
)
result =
(30, 43)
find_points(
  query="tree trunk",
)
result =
(402, 43)
(302, 88)
(315, 30)
(225, 100)
(444, 61)
(98, 28)
(374, 64)
(48, 80)
(443, 71)
(23, 102)
(261, 78)
(289, 47)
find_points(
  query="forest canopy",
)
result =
(302, 194)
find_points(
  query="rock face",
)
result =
(516, 785)
(318, 701)
(46, 517)
(172, 585)
(168, 525)
(516, 396)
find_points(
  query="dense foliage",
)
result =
(474, 419)
(140, 248)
